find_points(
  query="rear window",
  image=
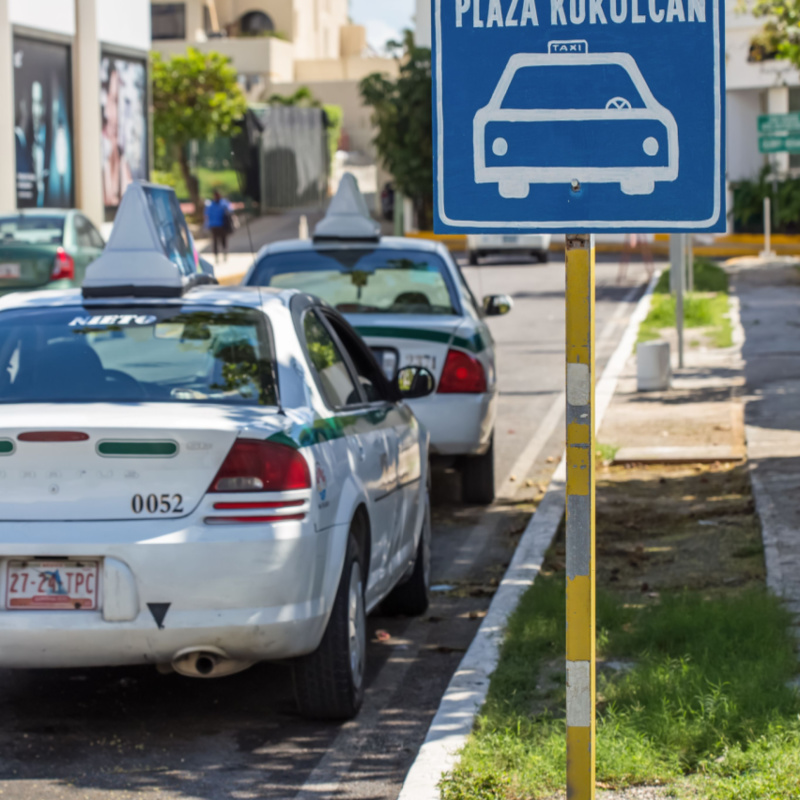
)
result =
(364, 281)
(35, 229)
(137, 354)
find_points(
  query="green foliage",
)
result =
(780, 35)
(706, 697)
(708, 277)
(748, 204)
(402, 114)
(195, 96)
(226, 181)
(699, 311)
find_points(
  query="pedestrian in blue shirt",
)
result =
(219, 220)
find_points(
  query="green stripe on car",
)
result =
(137, 449)
(476, 343)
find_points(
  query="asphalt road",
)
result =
(131, 732)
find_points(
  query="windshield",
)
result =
(141, 353)
(32, 230)
(558, 86)
(364, 281)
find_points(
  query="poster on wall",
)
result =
(123, 105)
(43, 124)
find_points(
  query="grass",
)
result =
(225, 180)
(706, 307)
(703, 706)
(707, 698)
(606, 452)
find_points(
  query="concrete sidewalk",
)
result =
(699, 419)
(770, 312)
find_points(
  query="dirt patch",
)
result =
(667, 528)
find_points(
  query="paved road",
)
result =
(124, 733)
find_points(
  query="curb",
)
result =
(469, 685)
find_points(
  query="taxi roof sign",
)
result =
(347, 216)
(150, 252)
(568, 46)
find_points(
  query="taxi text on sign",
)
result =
(579, 115)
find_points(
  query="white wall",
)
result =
(125, 23)
(744, 160)
(56, 16)
(422, 23)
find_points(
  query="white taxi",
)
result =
(411, 304)
(201, 477)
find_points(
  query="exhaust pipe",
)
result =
(207, 662)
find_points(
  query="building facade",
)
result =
(74, 121)
(278, 46)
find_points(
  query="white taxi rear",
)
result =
(411, 304)
(201, 477)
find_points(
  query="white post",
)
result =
(689, 262)
(767, 251)
(8, 166)
(409, 219)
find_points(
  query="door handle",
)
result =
(361, 453)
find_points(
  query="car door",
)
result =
(361, 428)
(396, 434)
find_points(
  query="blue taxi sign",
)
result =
(578, 115)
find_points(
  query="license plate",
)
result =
(9, 271)
(511, 239)
(52, 585)
(429, 362)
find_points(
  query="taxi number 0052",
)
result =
(157, 503)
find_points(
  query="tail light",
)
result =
(63, 266)
(256, 466)
(462, 374)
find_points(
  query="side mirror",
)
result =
(413, 382)
(495, 305)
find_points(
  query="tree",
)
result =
(780, 36)
(195, 96)
(402, 114)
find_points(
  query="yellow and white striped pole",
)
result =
(580, 519)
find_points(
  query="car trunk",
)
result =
(109, 462)
(25, 266)
(417, 339)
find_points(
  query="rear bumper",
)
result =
(254, 591)
(459, 424)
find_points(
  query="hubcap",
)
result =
(357, 625)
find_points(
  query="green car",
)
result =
(46, 249)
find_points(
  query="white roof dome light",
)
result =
(150, 252)
(347, 216)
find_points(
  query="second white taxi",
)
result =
(200, 477)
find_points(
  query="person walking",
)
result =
(219, 221)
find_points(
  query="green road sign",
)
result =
(779, 133)
(787, 143)
(779, 124)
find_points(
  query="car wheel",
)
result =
(329, 683)
(473, 258)
(411, 597)
(542, 256)
(477, 478)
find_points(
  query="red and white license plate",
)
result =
(52, 585)
(9, 271)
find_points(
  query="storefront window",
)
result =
(43, 124)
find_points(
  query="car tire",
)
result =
(329, 683)
(542, 256)
(411, 598)
(473, 258)
(477, 478)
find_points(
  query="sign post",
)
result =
(580, 517)
(579, 117)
